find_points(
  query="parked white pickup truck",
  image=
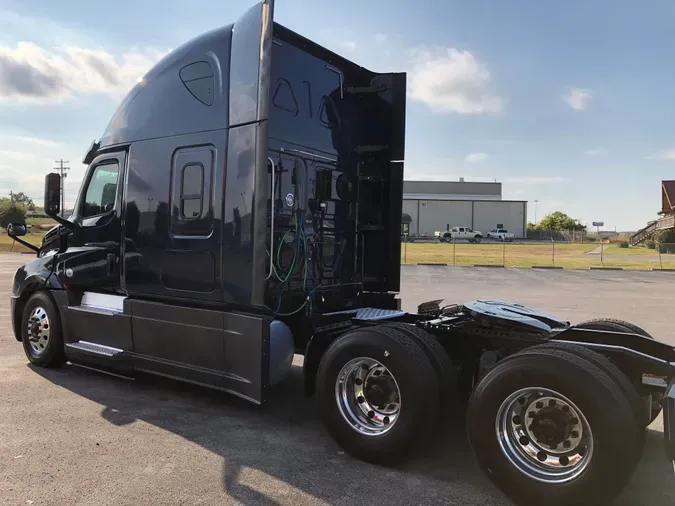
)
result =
(501, 234)
(461, 234)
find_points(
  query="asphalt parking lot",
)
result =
(76, 437)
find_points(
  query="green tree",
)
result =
(12, 214)
(665, 236)
(560, 221)
(23, 200)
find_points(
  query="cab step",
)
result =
(93, 348)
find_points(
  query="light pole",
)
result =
(535, 211)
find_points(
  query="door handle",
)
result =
(111, 263)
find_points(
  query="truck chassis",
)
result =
(545, 401)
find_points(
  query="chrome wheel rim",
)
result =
(368, 396)
(544, 435)
(39, 330)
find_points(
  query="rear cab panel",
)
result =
(336, 136)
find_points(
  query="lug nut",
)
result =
(358, 381)
(364, 367)
(371, 414)
(566, 408)
(564, 461)
(552, 403)
(574, 421)
(531, 414)
(575, 434)
(360, 399)
(524, 440)
(539, 405)
(516, 420)
(567, 444)
(554, 446)
(386, 420)
(542, 456)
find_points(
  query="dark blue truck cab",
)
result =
(244, 204)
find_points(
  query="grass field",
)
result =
(570, 256)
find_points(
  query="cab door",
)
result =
(91, 262)
(97, 320)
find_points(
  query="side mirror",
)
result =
(52, 194)
(16, 230)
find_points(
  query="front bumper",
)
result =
(669, 421)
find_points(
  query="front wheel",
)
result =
(553, 425)
(477, 239)
(377, 394)
(41, 331)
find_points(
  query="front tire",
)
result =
(552, 428)
(41, 332)
(377, 394)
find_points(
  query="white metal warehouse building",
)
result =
(436, 206)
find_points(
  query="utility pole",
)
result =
(62, 169)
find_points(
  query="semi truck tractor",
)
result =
(243, 205)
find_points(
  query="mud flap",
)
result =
(669, 422)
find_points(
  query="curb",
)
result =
(549, 267)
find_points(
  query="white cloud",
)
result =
(668, 154)
(596, 151)
(380, 37)
(578, 98)
(14, 140)
(30, 73)
(24, 161)
(476, 157)
(450, 80)
(349, 45)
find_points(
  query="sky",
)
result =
(566, 103)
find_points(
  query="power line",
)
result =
(61, 169)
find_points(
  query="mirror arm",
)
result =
(26, 244)
(62, 221)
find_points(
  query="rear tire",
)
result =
(41, 332)
(611, 370)
(588, 412)
(446, 373)
(355, 418)
(614, 325)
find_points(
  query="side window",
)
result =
(191, 193)
(101, 191)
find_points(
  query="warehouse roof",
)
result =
(452, 188)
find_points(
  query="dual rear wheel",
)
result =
(554, 422)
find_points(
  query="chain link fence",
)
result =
(541, 254)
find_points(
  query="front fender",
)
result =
(30, 277)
